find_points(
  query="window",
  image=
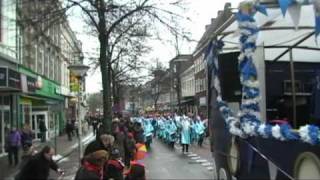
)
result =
(46, 63)
(51, 67)
(40, 57)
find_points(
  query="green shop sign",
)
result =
(45, 87)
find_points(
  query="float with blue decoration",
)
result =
(263, 65)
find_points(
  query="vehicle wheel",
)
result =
(307, 166)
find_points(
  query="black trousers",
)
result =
(13, 154)
(185, 147)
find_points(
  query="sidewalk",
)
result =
(64, 147)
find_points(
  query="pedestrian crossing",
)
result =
(196, 159)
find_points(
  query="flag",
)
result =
(284, 5)
(295, 12)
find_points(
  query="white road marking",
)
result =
(206, 164)
(210, 168)
(194, 158)
(192, 155)
(201, 160)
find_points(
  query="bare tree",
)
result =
(116, 24)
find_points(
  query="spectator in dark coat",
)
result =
(136, 171)
(92, 168)
(105, 142)
(26, 137)
(114, 168)
(13, 144)
(119, 141)
(130, 148)
(43, 129)
(38, 167)
(69, 129)
(138, 133)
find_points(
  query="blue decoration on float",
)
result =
(313, 134)
(286, 131)
(284, 5)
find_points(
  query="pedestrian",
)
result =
(136, 171)
(76, 127)
(43, 129)
(69, 129)
(26, 137)
(104, 142)
(138, 133)
(92, 167)
(12, 146)
(119, 140)
(130, 148)
(94, 125)
(38, 167)
(114, 167)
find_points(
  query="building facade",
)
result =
(177, 66)
(188, 90)
(34, 60)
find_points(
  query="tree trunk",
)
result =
(104, 62)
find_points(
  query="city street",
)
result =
(161, 163)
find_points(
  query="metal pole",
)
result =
(55, 134)
(79, 123)
(293, 87)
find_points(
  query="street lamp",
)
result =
(80, 71)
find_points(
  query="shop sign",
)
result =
(3, 76)
(74, 84)
(14, 80)
(28, 83)
(39, 83)
(31, 84)
(62, 91)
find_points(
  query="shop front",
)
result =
(40, 103)
(10, 85)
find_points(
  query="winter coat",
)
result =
(14, 139)
(89, 172)
(42, 126)
(114, 169)
(136, 172)
(26, 138)
(38, 167)
(95, 146)
(130, 148)
(119, 143)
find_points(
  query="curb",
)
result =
(68, 152)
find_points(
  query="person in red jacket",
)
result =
(114, 167)
(136, 171)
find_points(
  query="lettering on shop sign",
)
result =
(31, 84)
(14, 80)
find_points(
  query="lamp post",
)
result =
(80, 71)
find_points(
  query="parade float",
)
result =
(264, 91)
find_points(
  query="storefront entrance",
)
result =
(5, 120)
(37, 116)
(4, 125)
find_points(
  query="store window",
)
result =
(26, 113)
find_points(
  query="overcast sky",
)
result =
(200, 12)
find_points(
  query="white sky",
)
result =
(200, 12)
